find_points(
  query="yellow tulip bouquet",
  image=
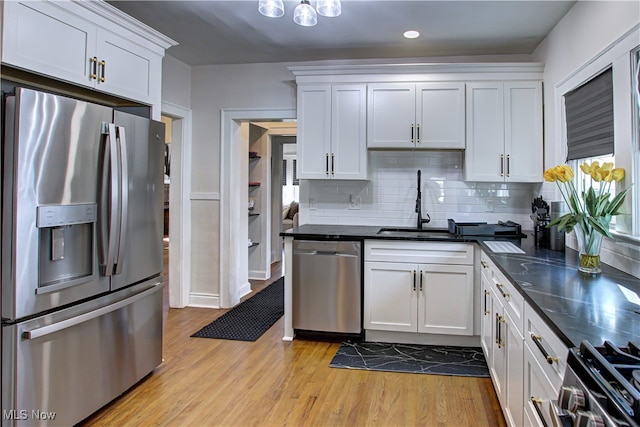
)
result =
(590, 214)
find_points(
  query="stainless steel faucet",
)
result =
(419, 206)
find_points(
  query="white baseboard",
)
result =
(244, 289)
(204, 300)
(259, 275)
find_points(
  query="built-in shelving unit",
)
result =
(258, 194)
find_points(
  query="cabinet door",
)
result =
(445, 302)
(44, 38)
(125, 68)
(390, 297)
(440, 115)
(348, 132)
(484, 155)
(499, 367)
(314, 131)
(487, 339)
(514, 351)
(523, 131)
(391, 115)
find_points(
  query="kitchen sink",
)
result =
(431, 233)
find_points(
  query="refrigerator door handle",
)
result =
(124, 198)
(59, 326)
(113, 190)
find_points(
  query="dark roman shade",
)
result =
(589, 116)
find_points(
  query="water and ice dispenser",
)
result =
(66, 245)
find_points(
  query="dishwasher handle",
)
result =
(326, 253)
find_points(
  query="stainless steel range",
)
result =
(601, 387)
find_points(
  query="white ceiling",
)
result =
(232, 32)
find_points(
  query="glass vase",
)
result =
(589, 242)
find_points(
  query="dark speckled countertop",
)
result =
(577, 306)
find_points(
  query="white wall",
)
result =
(216, 88)
(176, 82)
(585, 31)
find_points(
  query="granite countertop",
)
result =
(577, 306)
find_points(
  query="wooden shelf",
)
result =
(254, 244)
(254, 184)
(254, 213)
(254, 157)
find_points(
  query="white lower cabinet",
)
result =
(525, 358)
(429, 296)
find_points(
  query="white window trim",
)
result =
(618, 56)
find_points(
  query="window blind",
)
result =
(296, 181)
(589, 118)
(284, 172)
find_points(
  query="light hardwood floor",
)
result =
(208, 382)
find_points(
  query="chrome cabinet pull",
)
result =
(484, 264)
(418, 133)
(414, 280)
(420, 281)
(412, 138)
(537, 339)
(508, 165)
(501, 164)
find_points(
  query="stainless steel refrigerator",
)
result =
(82, 224)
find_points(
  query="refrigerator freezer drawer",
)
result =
(72, 366)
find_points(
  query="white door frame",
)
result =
(231, 284)
(180, 225)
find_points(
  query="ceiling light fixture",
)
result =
(271, 8)
(304, 14)
(411, 34)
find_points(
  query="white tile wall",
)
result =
(388, 198)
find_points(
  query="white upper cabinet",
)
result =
(504, 132)
(76, 43)
(416, 115)
(332, 131)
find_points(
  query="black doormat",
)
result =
(411, 358)
(249, 320)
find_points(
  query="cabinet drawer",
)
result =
(548, 349)
(538, 389)
(418, 252)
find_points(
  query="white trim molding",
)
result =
(180, 230)
(203, 300)
(234, 266)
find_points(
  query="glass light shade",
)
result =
(329, 8)
(305, 15)
(271, 8)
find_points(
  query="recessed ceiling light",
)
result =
(411, 34)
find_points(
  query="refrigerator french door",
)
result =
(82, 193)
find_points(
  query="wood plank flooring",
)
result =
(208, 382)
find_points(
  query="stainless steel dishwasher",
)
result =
(327, 286)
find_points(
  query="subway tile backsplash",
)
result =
(389, 197)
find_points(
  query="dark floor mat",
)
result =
(249, 320)
(412, 358)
